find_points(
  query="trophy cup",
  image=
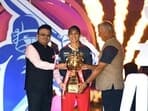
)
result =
(74, 62)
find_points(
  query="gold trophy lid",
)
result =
(74, 60)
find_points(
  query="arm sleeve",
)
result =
(62, 60)
(108, 54)
(32, 54)
(57, 76)
(88, 57)
(61, 56)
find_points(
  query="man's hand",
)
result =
(82, 87)
(87, 66)
(84, 67)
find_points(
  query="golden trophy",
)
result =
(74, 62)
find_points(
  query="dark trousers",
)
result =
(112, 99)
(39, 101)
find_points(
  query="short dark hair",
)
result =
(44, 26)
(74, 27)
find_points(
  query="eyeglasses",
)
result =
(44, 35)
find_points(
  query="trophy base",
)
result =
(72, 88)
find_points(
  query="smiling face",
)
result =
(44, 36)
(103, 33)
(106, 31)
(74, 35)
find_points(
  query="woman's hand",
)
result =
(62, 85)
(61, 66)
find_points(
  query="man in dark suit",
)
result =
(39, 71)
